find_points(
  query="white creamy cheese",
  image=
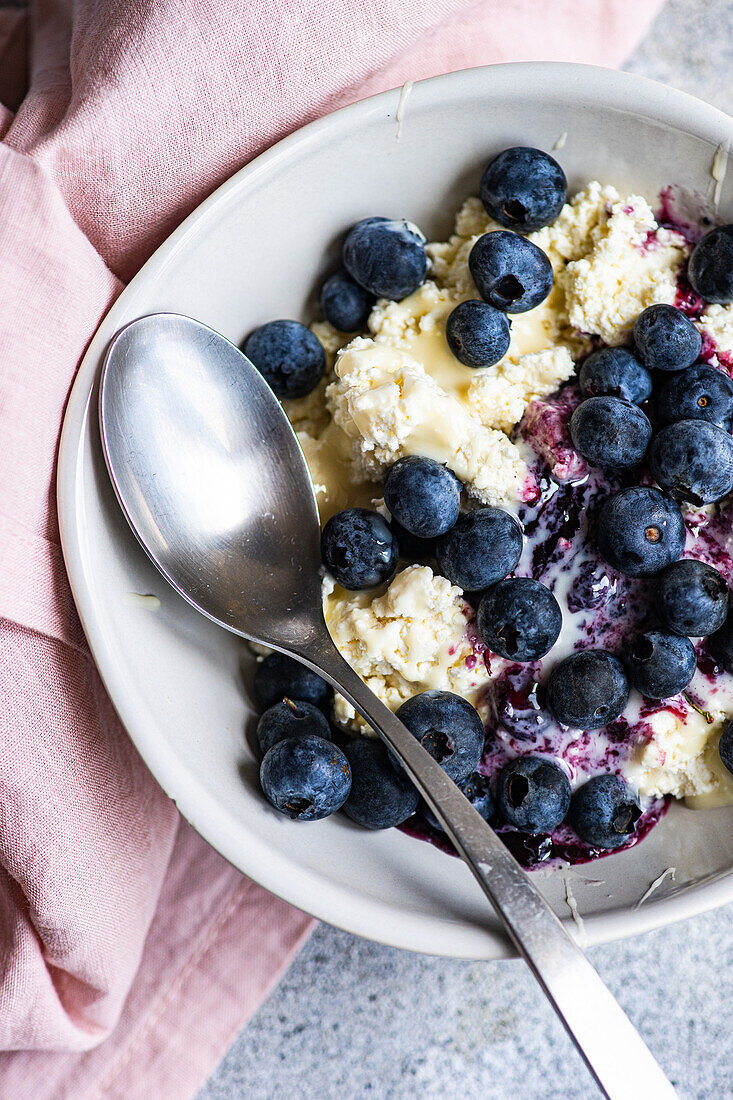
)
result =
(449, 258)
(309, 414)
(331, 339)
(717, 324)
(500, 395)
(388, 404)
(421, 312)
(329, 460)
(611, 261)
(681, 759)
(576, 228)
(412, 638)
(417, 324)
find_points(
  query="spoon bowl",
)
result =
(189, 420)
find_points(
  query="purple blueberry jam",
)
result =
(687, 299)
(533, 851)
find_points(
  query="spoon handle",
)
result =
(610, 1045)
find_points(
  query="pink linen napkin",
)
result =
(117, 117)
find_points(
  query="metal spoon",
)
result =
(212, 480)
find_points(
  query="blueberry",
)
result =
(720, 645)
(483, 547)
(511, 273)
(640, 531)
(693, 598)
(519, 619)
(477, 333)
(517, 705)
(698, 393)
(478, 792)
(659, 665)
(725, 747)
(386, 257)
(693, 461)
(344, 303)
(523, 188)
(448, 727)
(279, 676)
(412, 548)
(305, 778)
(358, 549)
(533, 794)
(710, 270)
(588, 690)
(615, 372)
(290, 718)
(604, 812)
(423, 496)
(380, 796)
(288, 356)
(611, 432)
(666, 339)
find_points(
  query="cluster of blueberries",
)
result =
(522, 189)
(306, 776)
(687, 446)
(685, 441)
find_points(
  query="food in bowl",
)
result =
(520, 444)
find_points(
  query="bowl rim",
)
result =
(281, 876)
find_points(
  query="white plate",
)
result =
(257, 249)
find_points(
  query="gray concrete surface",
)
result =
(353, 1020)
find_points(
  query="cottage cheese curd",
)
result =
(611, 261)
(412, 638)
(716, 326)
(681, 759)
(385, 401)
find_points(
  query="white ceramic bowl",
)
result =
(257, 249)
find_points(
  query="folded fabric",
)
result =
(116, 119)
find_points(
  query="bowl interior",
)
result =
(255, 250)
